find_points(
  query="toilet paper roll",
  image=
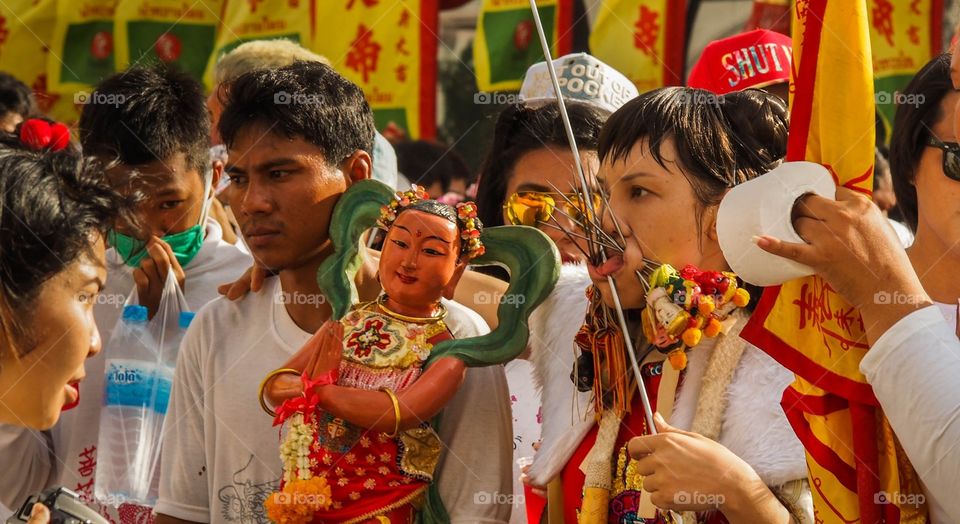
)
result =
(763, 206)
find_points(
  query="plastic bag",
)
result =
(140, 360)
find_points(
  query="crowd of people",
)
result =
(234, 195)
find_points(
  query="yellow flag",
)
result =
(246, 20)
(26, 28)
(905, 35)
(643, 39)
(507, 42)
(166, 31)
(82, 47)
(389, 49)
(856, 471)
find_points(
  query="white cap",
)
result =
(582, 78)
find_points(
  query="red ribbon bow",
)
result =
(38, 134)
(306, 403)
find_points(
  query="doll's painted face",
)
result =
(420, 258)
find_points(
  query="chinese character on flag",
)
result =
(364, 53)
(648, 29)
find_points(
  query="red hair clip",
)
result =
(39, 134)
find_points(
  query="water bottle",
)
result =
(139, 374)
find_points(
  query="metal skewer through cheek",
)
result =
(588, 197)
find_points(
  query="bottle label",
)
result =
(135, 383)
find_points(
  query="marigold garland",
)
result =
(299, 501)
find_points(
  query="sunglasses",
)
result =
(529, 208)
(951, 156)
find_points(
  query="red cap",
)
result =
(757, 58)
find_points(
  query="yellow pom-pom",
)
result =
(691, 337)
(741, 298)
(678, 359)
(713, 328)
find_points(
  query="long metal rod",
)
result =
(588, 196)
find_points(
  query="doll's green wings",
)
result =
(528, 254)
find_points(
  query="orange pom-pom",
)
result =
(706, 305)
(741, 298)
(713, 328)
(298, 501)
(691, 337)
(678, 359)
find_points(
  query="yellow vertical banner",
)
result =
(857, 472)
(905, 35)
(507, 42)
(26, 28)
(83, 41)
(246, 20)
(389, 49)
(643, 39)
(166, 31)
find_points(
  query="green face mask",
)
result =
(185, 244)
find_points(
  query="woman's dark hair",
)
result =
(304, 99)
(50, 205)
(425, 163)
(16, 97)
(911, 129)
(521, 130)
(721, 141)
(446, 211)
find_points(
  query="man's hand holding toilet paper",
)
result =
(849, 243)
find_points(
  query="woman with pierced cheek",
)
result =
(724, 451)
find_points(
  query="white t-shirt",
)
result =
(67, 455)
(913, 368)
(525, 405)
(221, 454)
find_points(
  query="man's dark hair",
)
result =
(911, 129)
(16, 97)
(145, 114)
(305, 99)
(50, 204)
(520, 130)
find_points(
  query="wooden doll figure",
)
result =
(360, 447)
